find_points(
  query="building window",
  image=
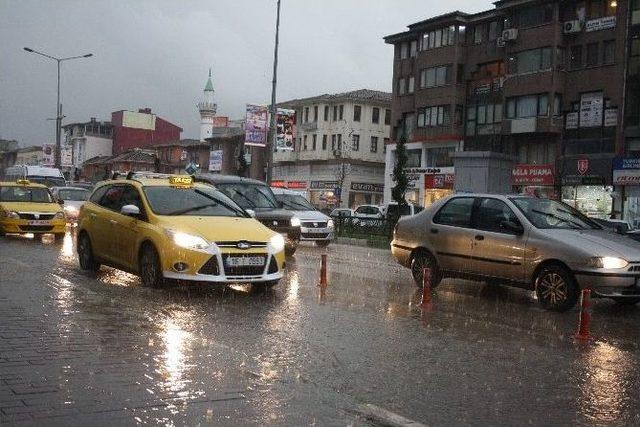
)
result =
(356, 142)
(374, 144)
(401, 86)
(436, 76)
(439, 115)
(411, 84)
(478, 34)
(413, 49)
(313, 142)
(375, 115)
(335, 113)
(576, 57)
(315, 113)
(414, 158)
(494, 30)
(532, 16)
(485, 116)
(440, 157)
(530, 61)
(306, 114)
(333, 142)
(385, 142)
(438, 38)
(527, 106)
(635, 12)
(339, 141)
(342, 112)
(304, 144)
(387, 117)
(324, 142)
(404, 50)
(609, 51)
(592, 54)
(357, 111)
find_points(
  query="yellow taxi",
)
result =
(27, 207)
(168, 227)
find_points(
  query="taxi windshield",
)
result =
(192, 201)
(73, 195)
(25, 194)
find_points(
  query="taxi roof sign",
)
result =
(23, 182)
(181, 181)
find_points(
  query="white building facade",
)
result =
(339, 151)
(88, 140)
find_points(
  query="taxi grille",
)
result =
(210, 267)
(29, 215)
(245, 270)
(35, 228)
(234, 244)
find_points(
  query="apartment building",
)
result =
(88, 140)
(539, 81)
(339, 148)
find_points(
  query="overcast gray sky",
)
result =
(157, 54)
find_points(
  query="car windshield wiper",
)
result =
(559, 218)
(191, 209)
(220, 202)
(251, 203)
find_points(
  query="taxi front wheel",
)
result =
(85, 254)
(150, 271)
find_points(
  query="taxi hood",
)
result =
(219, 228)
(30, 207)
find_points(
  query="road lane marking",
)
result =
(386, 418)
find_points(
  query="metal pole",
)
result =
(271, 144)
(57, 154)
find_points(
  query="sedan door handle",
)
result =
(434, 231)
(479, 237)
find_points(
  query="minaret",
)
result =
(207, 110)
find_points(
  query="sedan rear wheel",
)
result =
(556, 288)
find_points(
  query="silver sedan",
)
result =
(537, 244)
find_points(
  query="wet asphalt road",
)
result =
(79, 350)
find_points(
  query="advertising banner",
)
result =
(626, 171)
(441, 180)
(599, 24)
(610, 117)
(285, 125)
(66, 156)
(523, 174)
(256, 126)
(215, 160)
(220, 122)
(591, 110)
(48, 154)
(572, 120)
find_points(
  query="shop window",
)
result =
(592, 54)
(414, 158)
(609, 52)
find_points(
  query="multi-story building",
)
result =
(339, 148)
(540, 81)
(141, 129)
(175, 156)
(32, 155)
(88, 140)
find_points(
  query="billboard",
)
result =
(215, 160)
(255, 133)
(48, 154)
(134, 120)
(285, 126)
(220, 121)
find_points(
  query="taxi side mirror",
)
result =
(130, 210)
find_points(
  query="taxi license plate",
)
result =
(39, 222)
(249, 261)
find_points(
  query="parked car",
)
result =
(341, 213)
(73, 198)
(257, 198)
(392, 210)
(367, 215)
(538, 244)
(314, 225)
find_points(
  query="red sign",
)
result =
(532, 175)
(278, 184)
(441, 180)
(583, 166)
(297, 185)
(220, 122)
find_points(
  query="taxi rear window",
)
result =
(25, 194)
(194, 201)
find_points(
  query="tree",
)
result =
(242, 163)
(400, 174)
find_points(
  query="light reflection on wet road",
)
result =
(105, 349)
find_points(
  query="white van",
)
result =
(51, 177)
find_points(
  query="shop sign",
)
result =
(427, 170)
(582, 166)
(215, 160)
(297, 185)
(600, 24)
(323, 185)
(278, 184)
(610, 117)
(524, 174)
(586, 171)
(571, 120)
(442, 180)
(366, 187)
(626, 171)
(591, 110)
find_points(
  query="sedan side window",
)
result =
(457, 212)
(492, 213)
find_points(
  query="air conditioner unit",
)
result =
(510, 34)
(500, 42)
(574, 26)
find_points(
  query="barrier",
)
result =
(323, 270)
(584, 320)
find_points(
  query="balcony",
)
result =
(532, 125)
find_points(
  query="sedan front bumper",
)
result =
(609, 283)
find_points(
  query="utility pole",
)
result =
(271, 143)
(59, 116)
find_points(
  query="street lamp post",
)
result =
(271, 143)
(58, 106)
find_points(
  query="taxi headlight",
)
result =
(295, 222)
(59, 215)
(608, 262)
(188, 241)
(10, 214)
(330, 223)
(276, 243)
